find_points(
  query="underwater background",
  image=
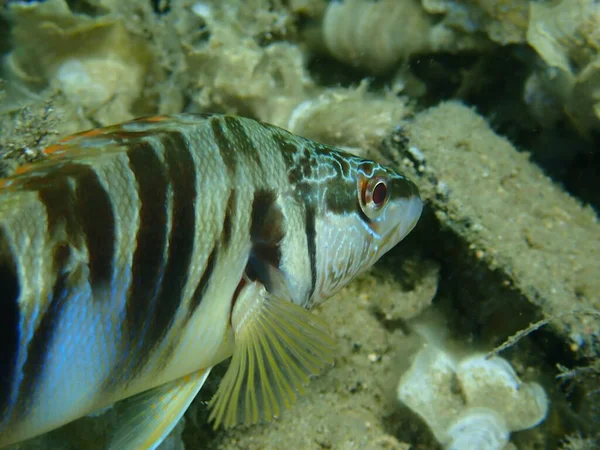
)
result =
(482, 328)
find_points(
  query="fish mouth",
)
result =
(407, 212)
(410, 216)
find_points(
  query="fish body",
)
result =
(133, 258)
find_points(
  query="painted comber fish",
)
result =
(134, 258)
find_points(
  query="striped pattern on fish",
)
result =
(123, 252)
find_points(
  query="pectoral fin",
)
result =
(278, 346)
(150, 416)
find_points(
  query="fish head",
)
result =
(364, 211)
(389, 207)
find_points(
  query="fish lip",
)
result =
(412, 209)
(415, 209)
(408, 214)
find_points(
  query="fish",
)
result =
(136, 257)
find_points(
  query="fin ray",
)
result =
(279, 345)
(150, 416)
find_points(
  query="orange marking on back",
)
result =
(92, 133)
(84, 134)
(60, 145)
(53, 148)
(23, 169)
(155, 119)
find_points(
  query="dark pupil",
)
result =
(379, 193)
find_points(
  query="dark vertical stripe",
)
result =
(58, 197)
(242, 142)
(182, 173)
(226, 234)
(203, 284)
(10, 316)
(289, 151)
(151, 240)
(310, 230)
(55, 186)
(97, 219)
(84, 209)
(229, 218)
(57, 193)
(49, 326)
(224, 146)
(266, 227)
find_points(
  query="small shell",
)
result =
(428, 390)
(375, 35)
(492, 383)
(480, 429)
(472, 403)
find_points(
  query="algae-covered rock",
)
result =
(93, 61)
(503, 21)
(512, 217)
(566, 36)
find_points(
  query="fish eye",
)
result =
(374, 194)
(379, 194)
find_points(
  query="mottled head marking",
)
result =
(356, 210)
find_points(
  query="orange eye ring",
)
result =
(374, 195)
(379, 194)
